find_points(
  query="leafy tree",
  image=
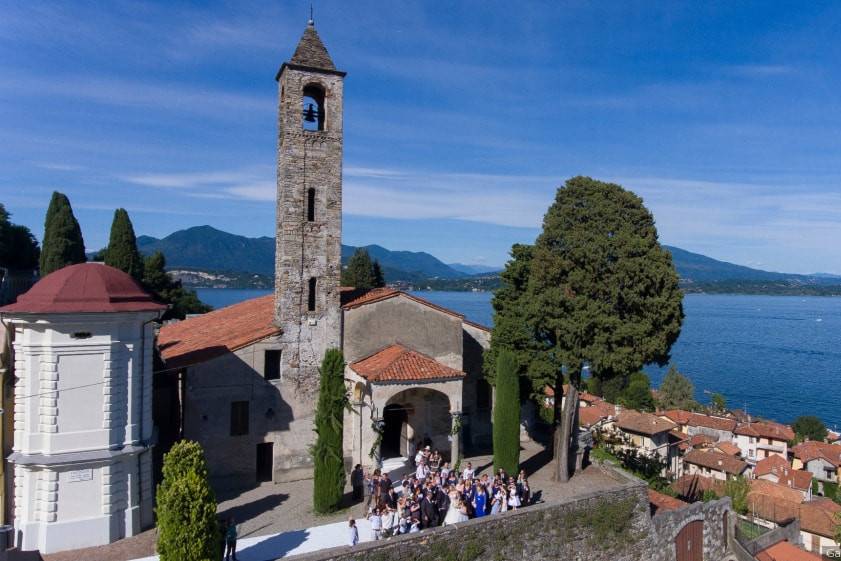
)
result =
(182, 301)
(63, 244)
(19, 249)
(838, 528)
(709, 495)
(506, 421)
(718, 403)
(638, 393)
(596, 288)
(737, 489)
(328, 459)
(361, 272)
(186, 507)
(809, 427)
(676, 391)
(610, 389)
(122, 250)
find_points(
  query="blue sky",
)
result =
(461, 119)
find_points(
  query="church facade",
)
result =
(243, 380)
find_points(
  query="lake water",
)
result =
(776, 356)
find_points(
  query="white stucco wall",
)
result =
(82, 428)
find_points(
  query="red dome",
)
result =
(86, 287)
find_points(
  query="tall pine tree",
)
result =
(122, 250)
(329, 475)
(63, 244)
(506, 421)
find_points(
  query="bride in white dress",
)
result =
(457, 511)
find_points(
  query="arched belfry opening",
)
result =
(313, 108)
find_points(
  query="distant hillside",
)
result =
(207, 249)
(474, 269)
(250, 261)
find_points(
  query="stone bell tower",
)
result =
(309, 210)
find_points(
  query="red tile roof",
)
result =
(771, 489)
(812, 449)
(715, 461)
(818, 516)
(352, 298)
(711, 422)
(701, 441)
(85, 288)
(399, 364)
(773, 502)
(659, 502)
(729, 448)
(773, 464)
(767, 429)
(642, 423)
(218, 332)
(589, 416)
(678, 416)
(692, 487)
(785, 551)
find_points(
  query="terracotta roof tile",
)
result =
(701, 441)
(642, 423)
(660, 502)
(812, 449)
(692, 487)
(711, 422)
(772, 508)
(218, 332)
(715, 461)
(767, 429)
(729, 448)
(772, 464)
(771, 489)
(818, 516)
(589, 416)
(785, 551)
(352, 298)
(678, 416)
(399, 364)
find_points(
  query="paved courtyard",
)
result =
(276, 520)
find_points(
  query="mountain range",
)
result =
(204, 248)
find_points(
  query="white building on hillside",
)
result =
(82, 341)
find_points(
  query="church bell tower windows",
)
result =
(310, 205)
(311, 294)
(313, 108)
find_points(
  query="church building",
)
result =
(243, 380)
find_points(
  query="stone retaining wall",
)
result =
(612, 525)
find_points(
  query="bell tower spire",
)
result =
(309, 210)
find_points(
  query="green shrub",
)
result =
(329, 474)
(186, 507)
(506, 421)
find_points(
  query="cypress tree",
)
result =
(329, 475)
(379, 277)
(186, 507)
(63, 244)
(122, 250)
(506, 414)
(359, 272)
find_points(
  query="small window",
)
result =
(271, 366)
(239, 418)
(310, 205)
(311, 295)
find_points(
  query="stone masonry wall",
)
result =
(306, 249)
(610, 525)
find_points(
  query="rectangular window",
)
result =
(311, 205)
(271, 365)
(239, 418)
(311, 294)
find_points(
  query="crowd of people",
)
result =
(433, 495)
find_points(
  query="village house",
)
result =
(823, 460)
(649, 435)
(243, 380)
(818, 520)
(710, 463)
(599, 416)
(785, 551)
(762, 439)
(777, 470)
(720, 428)
(773, 504)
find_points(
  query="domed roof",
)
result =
(85, 288)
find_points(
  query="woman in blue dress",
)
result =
(480, 501)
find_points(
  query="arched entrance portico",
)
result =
(415, 415)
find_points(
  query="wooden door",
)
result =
(689, 543)
(265, 461)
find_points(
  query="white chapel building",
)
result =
(82, 341)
